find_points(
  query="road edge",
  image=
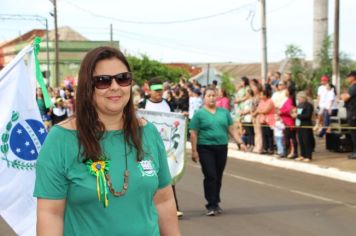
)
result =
(310, 168)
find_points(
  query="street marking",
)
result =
(305, 194)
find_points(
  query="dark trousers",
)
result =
(290, 134)
(306, 142)
(267, 138)
(175, 196)
(250, 134)
(213, 160)
(352, 123)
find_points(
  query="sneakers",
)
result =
(211, 212)
(179, 214)
(219, 210)
(214, 211)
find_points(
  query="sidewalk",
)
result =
(325, 163)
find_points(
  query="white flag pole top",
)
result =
(22, 134)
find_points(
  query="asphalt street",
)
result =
(264, 200)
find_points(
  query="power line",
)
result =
(154, 40)
(160, 22)
(175, 47)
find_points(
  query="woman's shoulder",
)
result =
(68, 124)
(62, 130)
(222, 110)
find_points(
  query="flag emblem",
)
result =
(24, 139)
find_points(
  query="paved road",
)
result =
(263, 200)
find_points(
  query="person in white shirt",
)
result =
(155, 102)
(327, 103)
(195, 101)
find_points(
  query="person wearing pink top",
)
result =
(285, 113)
(265, 112)
(222, 100)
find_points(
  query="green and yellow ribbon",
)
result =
(99, 169)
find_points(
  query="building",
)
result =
(72, 48)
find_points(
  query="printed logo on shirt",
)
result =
(147, 168)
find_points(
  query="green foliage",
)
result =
(307, 77)
(227, 84)
(296, 57)
(144, 69)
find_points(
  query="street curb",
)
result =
(309, 168)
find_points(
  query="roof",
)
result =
(193, 70)
(65, 34)
(251, 70)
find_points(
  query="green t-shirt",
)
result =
(212, 129)
(59, 175)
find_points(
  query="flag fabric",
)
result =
(173, 130)
(22, 133)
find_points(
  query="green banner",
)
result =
(39, 77)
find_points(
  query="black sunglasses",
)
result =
(104, 81)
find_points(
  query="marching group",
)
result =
(79, 152)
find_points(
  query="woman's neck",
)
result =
(210, 108)
(111, 122)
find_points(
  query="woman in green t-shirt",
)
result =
(209, 135)
(104, 171)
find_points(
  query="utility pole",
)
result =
(264, 42)
(111, 36)
(208, 75)
(336, 69)
(320, 29)
(56, 42)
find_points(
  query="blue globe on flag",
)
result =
(26, 139)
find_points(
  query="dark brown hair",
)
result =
(208, 89)
(90, 128)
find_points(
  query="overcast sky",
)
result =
(229, 37)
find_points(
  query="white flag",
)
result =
(173, 129)
(22, 134)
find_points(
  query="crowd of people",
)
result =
(272, 118)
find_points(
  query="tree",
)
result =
(144, 69)
(227, 84)
(307, 77)
(296, 57)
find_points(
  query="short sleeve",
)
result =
(51, 181)
(229, 119)
(164, 176)
(319, 90)
(194, 122)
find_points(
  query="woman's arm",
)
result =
(167, 214)
(307, 113)
(237, 138)
(193, 141)
(50, 215)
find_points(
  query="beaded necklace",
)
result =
(100, 169)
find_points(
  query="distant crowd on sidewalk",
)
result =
(272, 118)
